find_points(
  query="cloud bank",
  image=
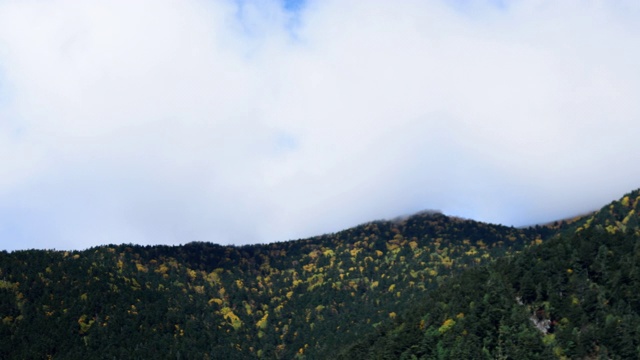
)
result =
(254, 121)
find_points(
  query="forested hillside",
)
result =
(301, 298)
(577, 296)
(349, 290)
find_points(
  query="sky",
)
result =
(253, 121)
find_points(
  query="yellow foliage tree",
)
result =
(448, 324)
(215, 300)
(84, 325)
(228, 315)
(262, 323)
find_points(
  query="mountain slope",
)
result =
(292, 299)
(576, 296)
(307, 298)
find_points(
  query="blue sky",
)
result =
(293, 5)
(242, 122)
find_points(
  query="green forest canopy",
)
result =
(472, 289)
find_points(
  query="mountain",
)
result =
(310, 298)
(577, 296)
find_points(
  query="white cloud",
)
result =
(167, 122)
